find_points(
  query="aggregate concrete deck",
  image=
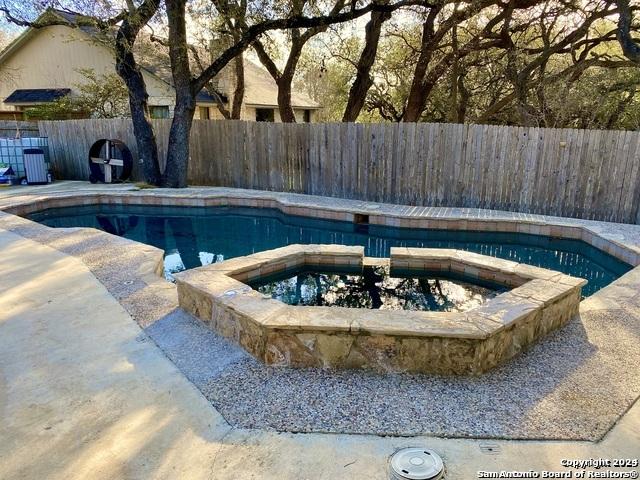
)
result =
(106, 403)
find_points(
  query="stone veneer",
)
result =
(469, 342)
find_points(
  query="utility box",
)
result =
(35, 165)
(12, 154)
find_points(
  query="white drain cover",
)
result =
(416, 464)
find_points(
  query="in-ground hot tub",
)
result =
(374, 287)
(454, 342)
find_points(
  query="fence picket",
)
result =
(592, 174)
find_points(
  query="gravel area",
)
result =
(573, 385)
(197, 351)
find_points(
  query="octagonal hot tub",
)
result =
(529, 303)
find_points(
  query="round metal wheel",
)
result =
(110, 161)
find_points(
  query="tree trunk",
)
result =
(463, 101)
(226, 114)
(285, 80)
(142, 128)
(362, 83)
(417, 94)
(630, 47)
(238, 93)
(145, 136)
(128, 70)
(175, 174)
(287, 115)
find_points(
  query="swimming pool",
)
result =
(193, 236)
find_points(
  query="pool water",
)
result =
(192, 236)
(374, 288)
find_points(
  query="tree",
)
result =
(298, 38)
(325, 78)
(427, 72)
(132, 22)
(499, 61)
(297, 41)
(60, 109)
(500, 66)
(214, 32)
(188, 86)
(103, 96)
(364, 80)
(630, 46)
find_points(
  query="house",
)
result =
(261, 95)
(44, 64)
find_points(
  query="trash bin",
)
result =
(35, 166)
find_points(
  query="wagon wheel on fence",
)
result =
(110, 161)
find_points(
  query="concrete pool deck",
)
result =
(86, 394)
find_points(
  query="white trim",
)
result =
(295, 107)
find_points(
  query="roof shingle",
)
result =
(36, 95)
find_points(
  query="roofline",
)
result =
(268, 105)
(25, 104)
(15, 44)
(24, 36)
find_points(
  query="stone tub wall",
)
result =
(469, 342)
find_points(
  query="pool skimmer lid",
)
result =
(416, 464)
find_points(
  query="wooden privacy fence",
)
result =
(10, 129)
(591, 174)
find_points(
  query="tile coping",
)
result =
(619, 240)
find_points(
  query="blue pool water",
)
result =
(192, 237)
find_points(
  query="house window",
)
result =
(204, 113)
(159, 111)
(265, 115)
(307, 116)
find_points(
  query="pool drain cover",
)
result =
(416, 464)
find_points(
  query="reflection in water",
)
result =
(374, 289)
(204, 235)
(117, 225)
(173, 262)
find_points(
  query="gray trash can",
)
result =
(35, 166)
